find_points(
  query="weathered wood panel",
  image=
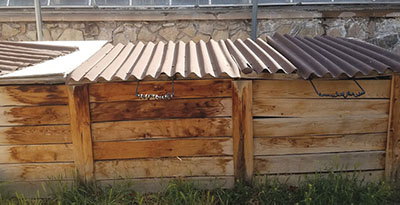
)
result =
(30, 188)
(162, 148)
(21, 135)
(319, 144)
(164, 167)
(33, 95)
(182, 89)
(318, 107)
(303, 88)
(36, 171)
(160, 184)
(294, 179)
(242, 129)
(36, 153)
(183, 108)
(144, 129)
(393, 138)
(81, 131)
(38, 115)
(320, 126)
(373, 160)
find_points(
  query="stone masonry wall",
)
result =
(380, 31)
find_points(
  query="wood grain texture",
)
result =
(319, 144)
(33, 95)
(149, 129)
(242, 129)
(375, 176)
(184, 108)
(38, 115)
(24, 135)
(164, 167)
(318, 107)
(303, 88)
(30, 188)
(374, 160)
(269, 127)
(81, 131)
(392, 164)
(162, 148)
(36, 171)
(125, 91)
(36, 153)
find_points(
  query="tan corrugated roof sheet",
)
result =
(308, 57)
(16, 55)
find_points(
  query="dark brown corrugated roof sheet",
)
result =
(308, 57)
(16, 55)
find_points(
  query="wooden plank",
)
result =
(36, 171)
(319, 162)
(164, 167)
(269, 127)
(184, 108)
(303, 88)
(81, 131)
(318, 107)
(125, 91)
(149, 129)
(25, 135)
(392, 164)
(162, 148)
(242, 129)
(294, 179)
(33, 95)
(160, 184)
(319, 144)
(38, 115)
(30, 189)
(36, 153)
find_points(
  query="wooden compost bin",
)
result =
(212, 132)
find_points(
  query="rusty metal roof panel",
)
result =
(17, 55)
(325, 55)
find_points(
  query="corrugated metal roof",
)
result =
(122, 62)
(317, 56)
(16, 55)
(325, 55)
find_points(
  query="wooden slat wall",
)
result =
(35, 138)
(297, 132)
(189, 136)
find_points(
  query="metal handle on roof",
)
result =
(341, 94)
(145, 96)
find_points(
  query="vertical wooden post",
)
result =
(242, 117)
(80, 130)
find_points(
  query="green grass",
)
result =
(332, 188)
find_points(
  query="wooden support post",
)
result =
(392, 163)
(242, 99)
(81, 131)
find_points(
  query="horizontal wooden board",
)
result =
(196, 127)
(38, 115)
(303, 88)
(165, 167)
(309, 163)
(160, 184)
(318, 107)
(51, 134)
(162, 148)
(36, 171)
(33, 189)
(33, 95)
(319, 144)
(36, 153)
(294, 179)
(182, 89)
(135, 110)
(268, 127)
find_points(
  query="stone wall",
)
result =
(382, 31)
